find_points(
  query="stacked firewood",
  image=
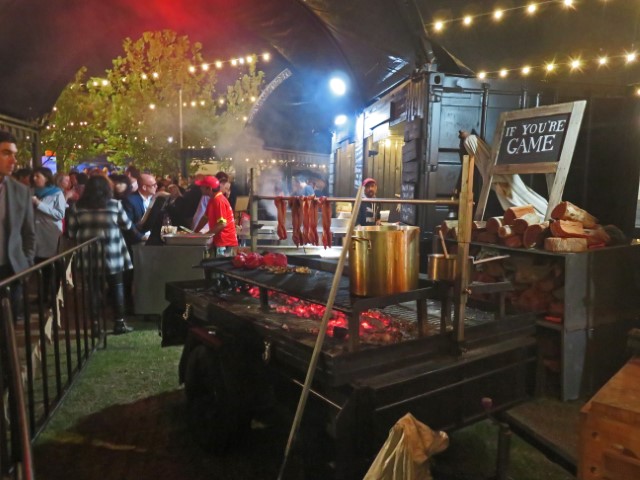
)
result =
(571, 229)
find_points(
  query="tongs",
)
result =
(186, 229)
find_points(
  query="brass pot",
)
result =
(384, 259)
(443, 268)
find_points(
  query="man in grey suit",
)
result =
(17, 231)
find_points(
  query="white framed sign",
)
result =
(535, 140)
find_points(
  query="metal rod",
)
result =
(321, 334)
(408, 201)
(17, 392)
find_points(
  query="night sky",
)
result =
(44, 44)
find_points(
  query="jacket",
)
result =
(21, 243)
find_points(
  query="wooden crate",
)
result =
(610, 429)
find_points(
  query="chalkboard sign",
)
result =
(533, 140)
(408, 212)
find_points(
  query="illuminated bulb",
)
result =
(438, 26)
(192, 69)
(467, 20)
(575, 64)
(482, 74)
(638, 92)
(218, 64)
(244, 119)
(503, 72)
(526, 70)
(631, 57)
(253, 99)
(531, 8)
(550, 67)
(71, 124)
(170, 139)
(55, 109)
(95, 83)
(221, 101)
(152, 106)
(387, 143)
(124, 79)
(234, 62)
(205, 67)
(202, 103)
(266, 57)
(155, 75)
(105, 83)
(144, 76)
(602, 61)
(184, 104)
(241, 61)
(568, 3)
(497, 15)
(193, 103)
(249, 59)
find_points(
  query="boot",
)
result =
(120, 327)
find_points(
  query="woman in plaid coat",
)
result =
(97, 214)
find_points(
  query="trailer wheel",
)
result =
(214, 407)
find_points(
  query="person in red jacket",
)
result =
(219, 214)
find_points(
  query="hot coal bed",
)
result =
(249, 336)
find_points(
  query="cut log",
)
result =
(521, 224)
(568, 211)
(494, 224)
(479, 225)
(515, 241)
(535, 234)
(448, 227)
(510, 214)
(506, 231)
(565, 245)
(487, 237)
(567, 229)
(596, 236)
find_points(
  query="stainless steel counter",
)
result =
(156, 265)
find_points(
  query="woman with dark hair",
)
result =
(50, 205)
(97, 214)
(121, 186)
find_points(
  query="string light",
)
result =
(498, 14)
(573, 64)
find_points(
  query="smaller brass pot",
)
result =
(443, 268)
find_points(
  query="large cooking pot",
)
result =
(384, 259)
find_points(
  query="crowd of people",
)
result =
(40, 213)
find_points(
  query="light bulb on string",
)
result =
(498, 14)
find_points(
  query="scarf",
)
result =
(46, 191)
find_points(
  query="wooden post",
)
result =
(465, 216)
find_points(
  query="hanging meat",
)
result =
(295, 204)
(327, 239)
(281, 208)
(306, 220)
(313, 220)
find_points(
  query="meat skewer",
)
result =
(281, 208)
(313, 220)
(296, 220)
(306, 220)
(327, 239)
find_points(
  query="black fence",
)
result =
(52, 319)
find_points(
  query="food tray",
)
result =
(189, 239)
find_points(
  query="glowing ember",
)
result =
(371, 321)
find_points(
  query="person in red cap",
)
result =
(369, 213)
(219, 214)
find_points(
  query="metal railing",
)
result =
(52, 319)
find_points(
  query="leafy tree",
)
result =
(133, 113)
